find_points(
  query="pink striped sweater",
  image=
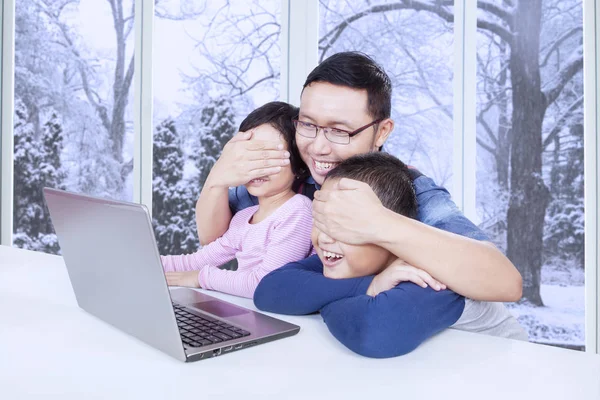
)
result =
(283, 237)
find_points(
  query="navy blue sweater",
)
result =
(390, 324)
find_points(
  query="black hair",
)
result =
(358, 71)
(386, 175)
(279, 115)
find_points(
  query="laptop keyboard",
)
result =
(201, 331)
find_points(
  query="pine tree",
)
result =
(564, 228)
(218, 122)
(37, 164)
(172, 206)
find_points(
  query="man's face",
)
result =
(342, 260)
(338, 107)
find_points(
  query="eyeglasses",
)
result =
(334, 135)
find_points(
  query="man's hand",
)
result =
(348, 212)
(397, 272)
(187, 279)
(243, 159)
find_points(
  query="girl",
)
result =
(264, 237)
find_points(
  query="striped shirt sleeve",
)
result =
(213, 254)
(289, 240)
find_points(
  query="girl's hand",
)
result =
(243, 159)
(187, 279)
(399, 271)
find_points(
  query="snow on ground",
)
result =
(562, 319)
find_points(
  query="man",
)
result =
(345, 110)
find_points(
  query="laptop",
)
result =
(114, 266)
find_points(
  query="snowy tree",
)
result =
(218, 127)
(241, 47)
(517, 26)
(215, 128)
(564, 230)
(173, 205)
(82, 71)
(37, 164)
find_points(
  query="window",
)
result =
(416, 50)
(72, 119)
(225, 64)
(530, 158)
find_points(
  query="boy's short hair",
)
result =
(279, 115)
(357, 71)
(386, 175)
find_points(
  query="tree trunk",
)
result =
(123, 77)
(529, 196)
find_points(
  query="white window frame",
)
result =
(143, 104)
(7, 46)
(464, 158)
(300, 39)
(591, 85)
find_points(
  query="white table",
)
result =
(49, 348)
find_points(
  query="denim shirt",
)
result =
(436, 207)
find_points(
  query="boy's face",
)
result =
(277, 183)
(339, 107)
(342, 260)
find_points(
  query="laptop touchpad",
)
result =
(219, 308)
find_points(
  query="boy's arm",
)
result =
(288, 241)
(473, 268)
(394, 322)
(300, 288)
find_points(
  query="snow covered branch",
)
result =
(558, 42)
(562, 121)
(500, 12)
(573, 66)
(333, 35)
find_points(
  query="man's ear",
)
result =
(384, 130)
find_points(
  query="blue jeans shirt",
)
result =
(436, 207)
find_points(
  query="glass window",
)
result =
(73, 124)
(225, 64)
(416, 50)
(530, 157)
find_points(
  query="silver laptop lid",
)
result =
(114, 266)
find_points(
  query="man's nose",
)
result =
(321, 144)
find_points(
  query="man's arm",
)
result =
(394, 322)
(463, 259)
(300, 288)
(472, 268)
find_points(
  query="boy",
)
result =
(375, 316)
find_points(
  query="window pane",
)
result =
(530, 158)
(73, 123)
(225, 64)
(416, 50)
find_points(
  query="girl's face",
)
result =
(341, 260)
(271, 185)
